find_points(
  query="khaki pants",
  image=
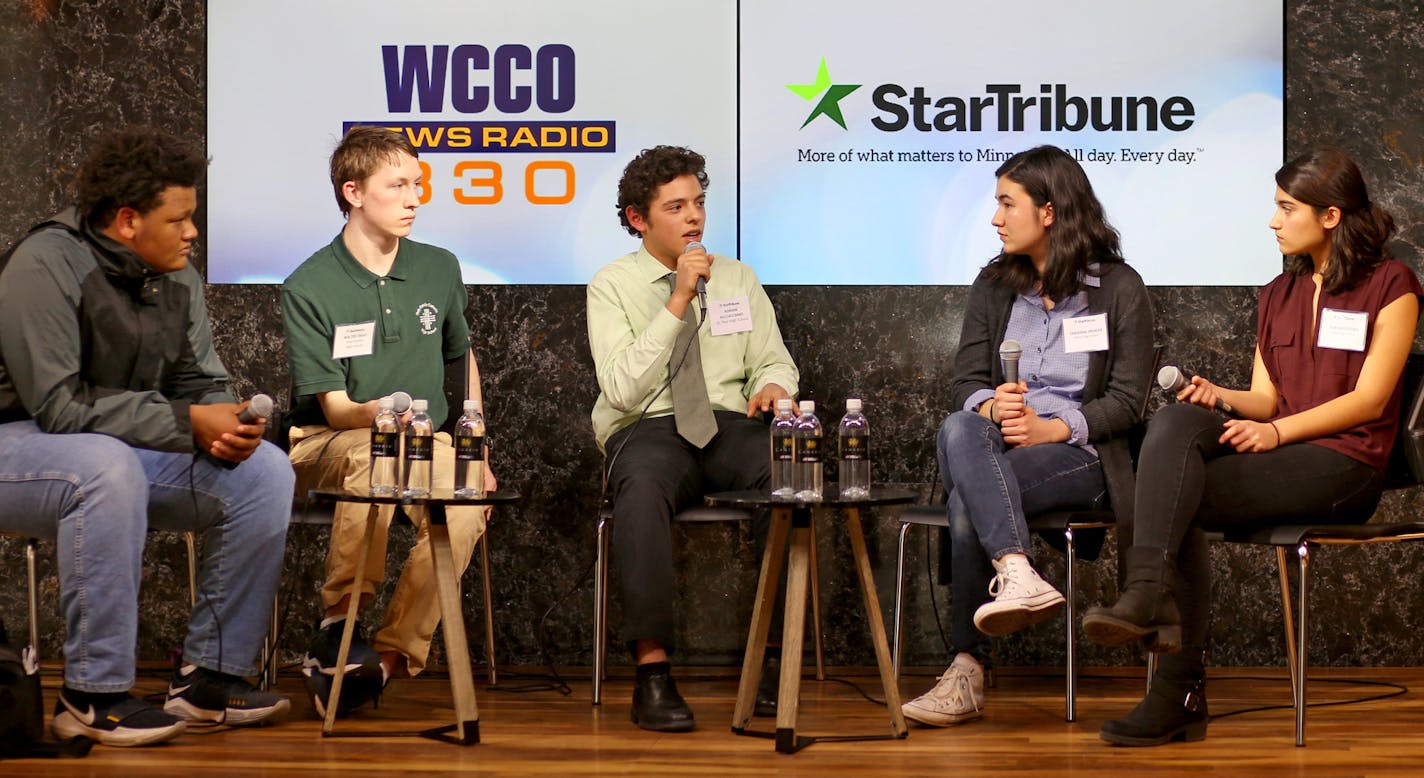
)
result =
(326, 458)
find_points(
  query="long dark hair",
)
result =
(1327, 177)
(1079, 236)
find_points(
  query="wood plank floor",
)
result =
(543, 733)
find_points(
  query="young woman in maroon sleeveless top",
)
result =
(1311, 437)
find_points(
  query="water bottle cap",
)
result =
(808, 406)
(471, 406)
(852, 405)
(784, 404)
(386, 403)
(420, 406)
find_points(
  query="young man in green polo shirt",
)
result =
(370, 314)
(695, 436)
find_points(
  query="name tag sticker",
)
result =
(354, 340)
(731, 315)
(1085, 333)
(1344, 330)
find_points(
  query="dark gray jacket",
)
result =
(92, 340)
(1117, 383)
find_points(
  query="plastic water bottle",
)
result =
(419, 450)
(783, 449)
(809, 467)
(470, 452)
(385, 450)
(855, 451)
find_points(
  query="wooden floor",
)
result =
(545, 733)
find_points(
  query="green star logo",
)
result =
(831, 94)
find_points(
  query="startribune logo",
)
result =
(831, 94)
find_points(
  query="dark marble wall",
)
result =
(74, 69)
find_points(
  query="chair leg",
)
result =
(900, 596)
(1070, 562)
(1287, 611)
(816, 603)
(30, 546)
(600, 609)
(489, 606)
(1303, 551)
(270, 660)
(191, 541)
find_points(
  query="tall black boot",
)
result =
(1146, 610)
(1174, 708)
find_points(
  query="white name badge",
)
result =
(1085, 333)
(1344, 330)
(728, 316)
(354, 340)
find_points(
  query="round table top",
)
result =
(830, 497)
(445, 496)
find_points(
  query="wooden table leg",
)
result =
(793, 631)
(761, 618)
(353, 606)
(877, 623)
(452, 620)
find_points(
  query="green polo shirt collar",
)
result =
(360, 274)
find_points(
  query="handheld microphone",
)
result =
(701, 282)
(1009, 354)
(259, 407)
(400, 402)
(1174, 379)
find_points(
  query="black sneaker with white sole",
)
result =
(362, 661)
(204, 695)
(112, 719)
(355, 691)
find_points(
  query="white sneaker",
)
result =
(958, 697)
(1020, 597)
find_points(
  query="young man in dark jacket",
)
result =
(115, 418)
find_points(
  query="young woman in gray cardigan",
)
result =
(1054, 438)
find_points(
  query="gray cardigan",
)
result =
(1114, 395)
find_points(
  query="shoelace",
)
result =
(955, 687)
(1002, 582)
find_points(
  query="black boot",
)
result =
(656, 703)
(1174, 708)
(1146, 610)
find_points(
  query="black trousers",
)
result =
(1188, 483)
(656, 474)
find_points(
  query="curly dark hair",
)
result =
(1327, 177)
(1080, 234)
(130, 169)
(651, 169)
(361, 152)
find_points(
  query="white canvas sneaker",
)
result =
(1020, 597)
(956, 698)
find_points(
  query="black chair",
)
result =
(1074, 526)
(321, 515)
(1406, 469)
(691, 516)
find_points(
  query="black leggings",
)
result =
(1188, 483)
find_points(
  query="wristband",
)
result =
(1278, 433)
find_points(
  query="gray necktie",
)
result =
(690, 407)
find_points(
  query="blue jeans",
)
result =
(991, 490)
(96, 497)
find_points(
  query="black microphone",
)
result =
(400, 402)
(259, 407)
(1174, 379)
(1009, 354)
(701, 282)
